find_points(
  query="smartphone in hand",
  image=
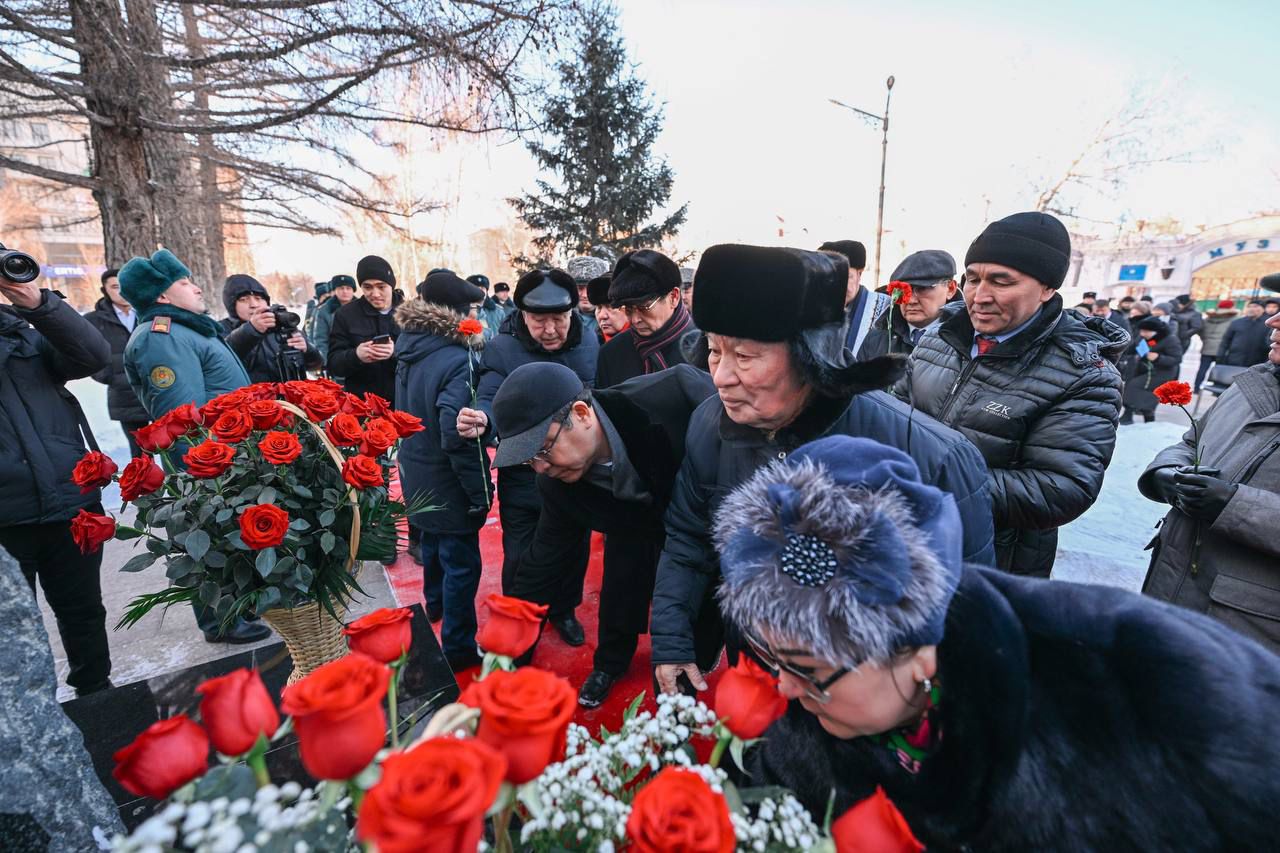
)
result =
(382, 339)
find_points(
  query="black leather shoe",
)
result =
(240, 633)
(570, 630)
(595, 688)
(96, 688)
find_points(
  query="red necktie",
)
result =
(986, 343)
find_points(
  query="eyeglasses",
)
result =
(544, 455)
(641, 309)
(814, 689)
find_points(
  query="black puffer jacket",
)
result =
(122, 404)
(1246, 342)
(1073, 718)
(720, 455)
(1042, 408)
(1143, 375)
(355, 323)
(40, 436)
(433, 381)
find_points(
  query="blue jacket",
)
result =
(433, 381)
(720, 455)
(40, 437)
(170, 365)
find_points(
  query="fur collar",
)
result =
(431, 318)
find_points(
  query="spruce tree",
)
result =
(598, 134)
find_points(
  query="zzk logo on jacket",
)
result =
(998, 409)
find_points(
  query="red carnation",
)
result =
(899, 292)
(1174, 393)
(469, 327)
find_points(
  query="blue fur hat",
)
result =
(842, 550)
(142, 280)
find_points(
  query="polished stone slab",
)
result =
(111, 719)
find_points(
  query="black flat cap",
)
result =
(925, 268)
(546, 292)
(525, 405)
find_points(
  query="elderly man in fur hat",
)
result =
(774, 321)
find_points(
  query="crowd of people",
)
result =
(861, 489)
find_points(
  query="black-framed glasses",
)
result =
(814, 689)
(641, 309)
(544, 455)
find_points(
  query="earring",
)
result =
(927, 686)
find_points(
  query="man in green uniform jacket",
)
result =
(176, 356)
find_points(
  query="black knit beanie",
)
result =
(854, 252)
(445, 288)
(1035, 244)
(374, 267)
(641, 275)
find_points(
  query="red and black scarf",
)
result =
(650, 348)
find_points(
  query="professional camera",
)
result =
(287, 322)
(19, 267)
(1271, 282)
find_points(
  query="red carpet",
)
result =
(552, 653)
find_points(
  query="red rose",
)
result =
(264, 413)
(677, 810)
(353, 405)
(320, 405)
(263, 526)
(512, 626)
(236, 708)
(168, 428)
(90, 530)
(182, 420)
(166, 756)
(93, 471)
(523, 714)
(1174, 393)
(280, 448)
(383, 635)
(261, 391)
(378, 406)
(899, 292)
(874, 826)
(337, 710)
(747, 699)
(141, 476)
(153, 438)
(209, 459)
(233, 426)
(405, 423)
(379, 435)
(469, 327)
(295, 390)
(215, 408)
(432, 797)
(325, 384)
(344, 430)
(362, 472)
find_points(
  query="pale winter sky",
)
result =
(992, 100)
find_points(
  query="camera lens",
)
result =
(18, 267)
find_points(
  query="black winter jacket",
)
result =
(40, 434)
(1072, 718)
(514, 346)
(122, 404)
(619, 360)
(651, 415)
(259, 351)
(1143, 375)
(1042, 408)
(355, 323)
(434, 381)
(1247, 342)
(879, 339)
(720, 455)
(1190, 324)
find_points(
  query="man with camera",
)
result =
(177, 355)
(43, 433)
(265, 336)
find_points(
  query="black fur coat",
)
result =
(1073, 718)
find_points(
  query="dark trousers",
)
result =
(626, 589)
(1206, 361)
(450, 578)
(73, 587)
(129, 427)
(1148, 415)
(519, 506)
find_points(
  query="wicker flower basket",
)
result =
(312, 636)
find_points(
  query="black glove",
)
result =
(1204, 495)
(1163, 485)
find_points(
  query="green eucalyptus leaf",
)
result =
(265, 562)
(223, 515)
(138, 563)
(215, 559)
(285, 564)
(158, 547)
(197, 544)
(299, 524)
(268, 598)
(301, 490)
(243, 574)
(267, 495)
(327, 541)
(236, 541)
(209, 593)
(327, 517)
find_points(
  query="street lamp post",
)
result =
(883, 122)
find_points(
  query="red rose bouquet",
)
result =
(279, 491)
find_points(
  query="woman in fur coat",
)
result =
(998, 712)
